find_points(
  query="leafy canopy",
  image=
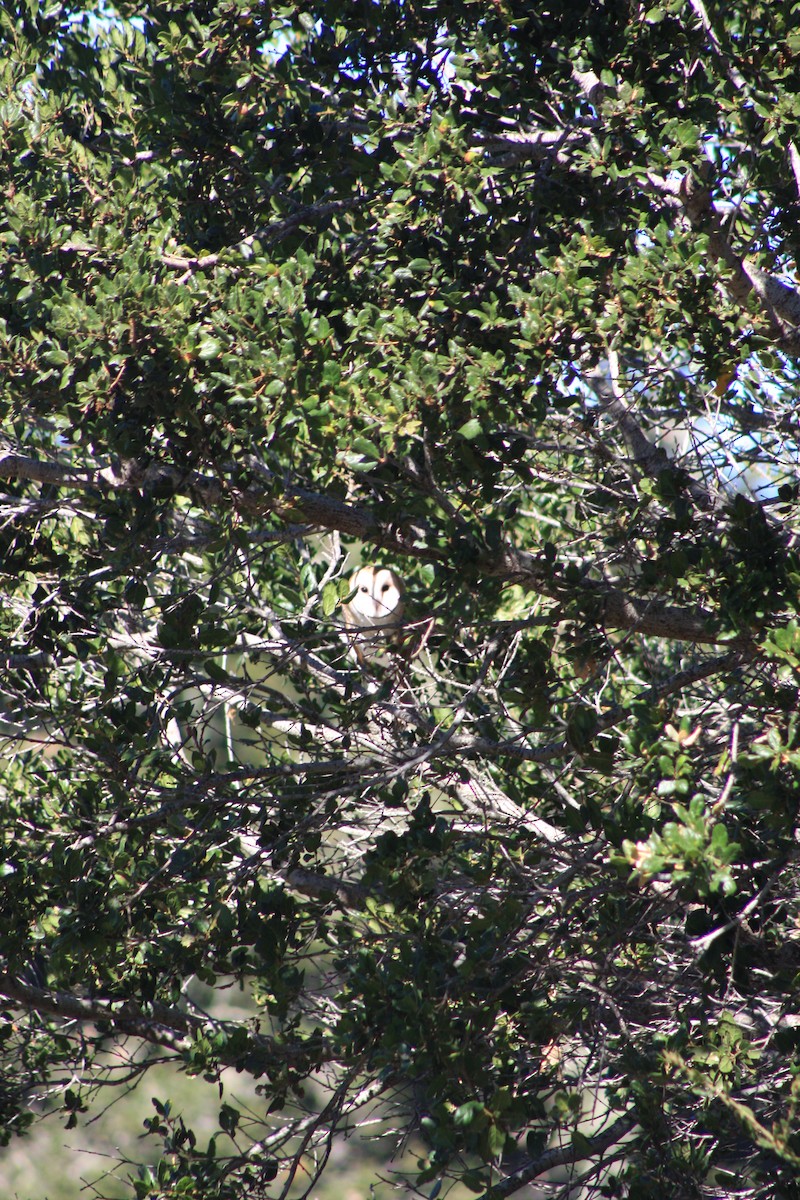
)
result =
(501, 296)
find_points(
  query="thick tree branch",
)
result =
(505, 148)
(558, 1156)
(590, 84)
(649, 459)
(615, 608)
(779, 302)
(735, 76)
(157, 1023)
(610, 605)
(794, 159)
(268, 234)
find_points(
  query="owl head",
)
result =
(378, 599)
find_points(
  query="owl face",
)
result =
(378, 598)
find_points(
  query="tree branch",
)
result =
(735, 76)
(779, 302)
(607, 720)
(158, 1024)
(616, 609)
(559, 1156)
(268, 234)
(651, 460)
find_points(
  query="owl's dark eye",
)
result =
(385, 587)
(363, 588)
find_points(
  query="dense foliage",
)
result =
(499, 295)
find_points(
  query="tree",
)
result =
(499, 296)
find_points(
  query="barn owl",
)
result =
(376, 607)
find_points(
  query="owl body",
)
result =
(375, 609)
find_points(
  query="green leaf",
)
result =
(581, 1144)
(474, 1181)
(470, 429)
(209, 348)
(330, 598)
